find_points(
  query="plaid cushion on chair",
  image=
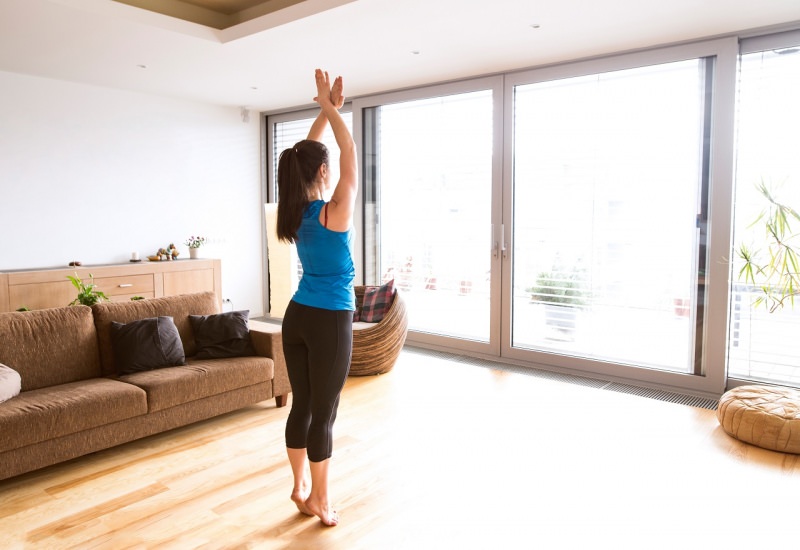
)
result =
(377, 300)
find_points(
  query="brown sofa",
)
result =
(73, 403)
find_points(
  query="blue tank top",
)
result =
(327, 260)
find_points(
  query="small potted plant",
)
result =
(563, 294)
(88, 294)
(194, 243)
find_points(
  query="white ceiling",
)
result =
(267, 62)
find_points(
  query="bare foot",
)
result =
(325, 513)
(300, 501)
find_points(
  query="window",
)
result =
(763, 346)
(608, 189)
(428, 189)
(288, 130)
(607, 182)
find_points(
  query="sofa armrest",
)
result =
(266, 339)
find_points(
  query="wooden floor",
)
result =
(435, 454)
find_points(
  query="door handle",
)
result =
(495, 244)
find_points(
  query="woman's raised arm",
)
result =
(342, 203)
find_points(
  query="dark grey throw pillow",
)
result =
(222, 335)
(146, 344)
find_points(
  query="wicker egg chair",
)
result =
(377, 347)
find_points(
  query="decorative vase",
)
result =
(193, 253)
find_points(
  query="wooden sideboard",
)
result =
(46, 288)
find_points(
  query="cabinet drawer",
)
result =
(126, 285)
(185, 282)
(41, 295)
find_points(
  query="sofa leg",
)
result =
(280, 400)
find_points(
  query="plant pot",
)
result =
(194, 253)
(560, 316)
(561, 320)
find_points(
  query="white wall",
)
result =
(92, 174)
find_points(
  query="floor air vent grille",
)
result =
(670, 397)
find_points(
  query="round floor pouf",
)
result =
(766, 416)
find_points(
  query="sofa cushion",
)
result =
(10, 383)
(222, 335)
(199, 378)
(48, 347)
(146, 344)
(46, 413)
(377, 300)
(178, 307)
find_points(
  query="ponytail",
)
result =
(297, 169)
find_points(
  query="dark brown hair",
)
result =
(297, 170)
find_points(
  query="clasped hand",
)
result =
(334, 93)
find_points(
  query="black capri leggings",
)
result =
(317, 344)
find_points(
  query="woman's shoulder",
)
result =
(313, 208)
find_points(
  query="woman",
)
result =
(318, 323)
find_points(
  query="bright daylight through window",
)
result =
(608, 240)
(608, 186)
(429, 193)
(763, 346)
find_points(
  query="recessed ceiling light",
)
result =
(415, 52)
(535, 26)
(142, 66)
(254, 87)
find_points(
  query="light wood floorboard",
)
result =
(435, 454)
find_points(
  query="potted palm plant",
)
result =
(774, 266)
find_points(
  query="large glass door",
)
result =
(610, 178)
(762, 345)
(430, 183)
(608, 175)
